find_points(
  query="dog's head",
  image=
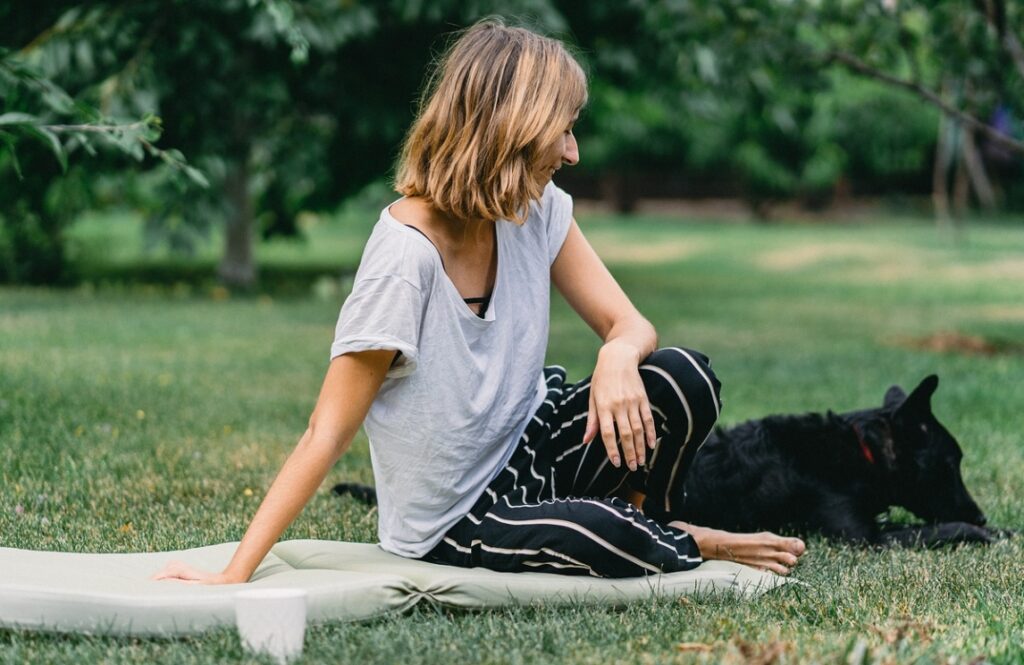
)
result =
(926, 459)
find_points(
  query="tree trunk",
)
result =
(617, 190)
(237, 267)
(961, 189)
(976, 170)
(943, 158)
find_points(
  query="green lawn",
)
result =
(136, 418)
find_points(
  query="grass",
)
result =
(137, 418)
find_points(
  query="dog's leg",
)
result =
(840, 517)
(938, 535)
(364, 493)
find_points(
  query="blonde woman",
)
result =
(481, 455)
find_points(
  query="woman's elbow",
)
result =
(320, 435)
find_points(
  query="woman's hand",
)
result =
(182, 572)
(618, 401)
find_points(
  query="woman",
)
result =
(481, 456)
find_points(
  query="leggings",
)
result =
(550, 508)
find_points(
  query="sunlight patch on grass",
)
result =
(808, 255)
(614, 248)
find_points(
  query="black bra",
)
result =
(483, 301)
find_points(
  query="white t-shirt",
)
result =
(453, 407)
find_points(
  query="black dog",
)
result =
(835, 473)
(831, 474)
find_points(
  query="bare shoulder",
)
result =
(414, 211)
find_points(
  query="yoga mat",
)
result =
(112, 593)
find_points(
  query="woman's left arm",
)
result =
(618, 400)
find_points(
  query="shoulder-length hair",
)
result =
(499, 97)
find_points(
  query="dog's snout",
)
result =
(981, 520)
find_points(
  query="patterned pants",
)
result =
(550, 509)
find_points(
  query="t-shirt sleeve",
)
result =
(382, 313)
(558, 207)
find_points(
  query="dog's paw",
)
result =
(963, 532)
(1001, 534)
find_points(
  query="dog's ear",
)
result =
(920, 399)
(894, 396)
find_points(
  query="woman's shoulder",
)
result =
(554, 200)
(550, 215)
(397, 250)
(553, 205)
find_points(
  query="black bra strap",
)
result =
(484, 301)
(431, 242)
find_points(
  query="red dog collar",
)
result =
(863, 446)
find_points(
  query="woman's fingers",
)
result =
(181, 572)
(607, 424)
(639, 437)
(592, 426)
(626, 429)
(175, 570)
(648, 420)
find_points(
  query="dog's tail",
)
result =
(364, 493)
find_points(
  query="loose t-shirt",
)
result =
(452, 408)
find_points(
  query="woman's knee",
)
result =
(691, 372)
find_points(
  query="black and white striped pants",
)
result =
(550, 509)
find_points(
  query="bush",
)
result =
(887, 134)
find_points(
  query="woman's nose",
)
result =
(571, 153)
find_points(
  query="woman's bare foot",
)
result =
(763, 550)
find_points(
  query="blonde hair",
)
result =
(497, 100)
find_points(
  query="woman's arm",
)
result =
(617, 396)
(349, 388)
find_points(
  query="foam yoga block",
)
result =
(112, 593)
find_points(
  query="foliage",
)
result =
(281, 102)
(883, 154)
(284, 106)
(767, 62)
(42, 126)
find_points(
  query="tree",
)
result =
(281, 104)
(40, 125)
(962, 57)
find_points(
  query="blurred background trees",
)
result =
(241, 114)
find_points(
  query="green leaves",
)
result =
(16, 118)
(27, 125)
(45, 135)
(282, 13)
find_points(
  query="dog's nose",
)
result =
(982, 520)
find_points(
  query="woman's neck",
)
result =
(457, 234)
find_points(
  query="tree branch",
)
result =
(858, 66)
(99, 129)
(1015, 50)
(994, 12)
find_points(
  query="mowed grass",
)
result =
(151, 419)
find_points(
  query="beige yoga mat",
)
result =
(112, 593)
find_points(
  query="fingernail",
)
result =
(632, 466)
(615, 462)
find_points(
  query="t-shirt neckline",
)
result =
(460, 305)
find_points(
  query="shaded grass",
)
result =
(112, 250)
(139, 419)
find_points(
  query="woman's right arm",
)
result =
(348, 390)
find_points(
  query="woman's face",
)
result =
(563, 151)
